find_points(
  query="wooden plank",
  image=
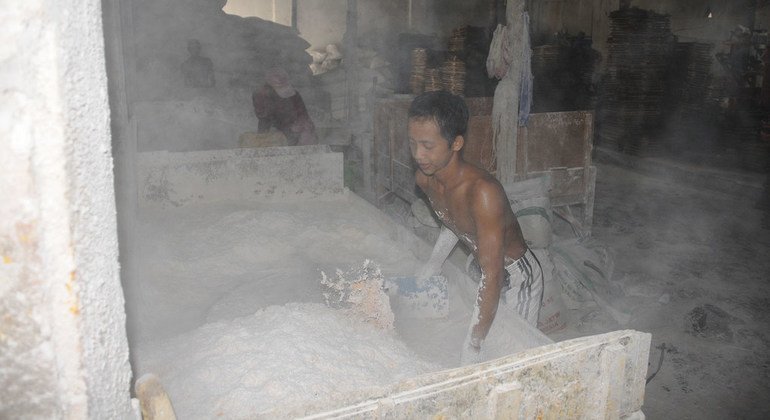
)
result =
(478, 148)
(599, 376)
(480, 106)
(555, 139)
(381, 150)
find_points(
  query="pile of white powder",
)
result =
(227, 308)
(282, 356)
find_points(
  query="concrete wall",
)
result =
(551, 16)
(271, 173)
(278, 11)
(63, 349)
(441, 16)
(174, 116)
(322, 22)
(688, 20)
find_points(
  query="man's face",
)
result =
(430, 151)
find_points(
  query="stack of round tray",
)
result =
(453, 75)
(640, 51)
(545, 57)
(419, 63)
(457, 39)
(433, 80)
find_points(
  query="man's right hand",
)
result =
(427, 271)
(445, 242)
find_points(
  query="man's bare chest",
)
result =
(453, 210)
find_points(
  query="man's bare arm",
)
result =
(488, 213)
(444, 245)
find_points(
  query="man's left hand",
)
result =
(471, 355)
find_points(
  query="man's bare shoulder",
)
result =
(479, 178)
(486, 188)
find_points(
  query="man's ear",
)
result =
(458, 143)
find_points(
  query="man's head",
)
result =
(193, 47)
(437, 125)
(278, 79)
(449, 112)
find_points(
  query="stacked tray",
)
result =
(634, 89)
(545, 57)
(419, 64)
(433, 80)
(453, 75)
(692, 125)
(696, 59)
(457, 40)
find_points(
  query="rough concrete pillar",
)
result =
(63, 347)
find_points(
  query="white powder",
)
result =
(361, 292)
(217, 262)
(280, 357)
(232, 266)
(227, 308)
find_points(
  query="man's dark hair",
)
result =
(448, 111)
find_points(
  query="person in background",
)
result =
(277, 104)
(473, 207)
(198, 71)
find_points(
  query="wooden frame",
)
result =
(559, 145)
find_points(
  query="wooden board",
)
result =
(555, 140)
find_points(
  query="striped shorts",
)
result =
(524, 286)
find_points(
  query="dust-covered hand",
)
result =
(427, 270)
(471, 355)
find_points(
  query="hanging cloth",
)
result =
(499, 58)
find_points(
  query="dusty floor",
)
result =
(694, 264)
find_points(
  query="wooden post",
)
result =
(600, 30)
(505, 110)
(153, 399)
(350, 41)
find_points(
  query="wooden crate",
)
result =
(559, 145)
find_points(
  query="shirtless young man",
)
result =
(472, 206)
